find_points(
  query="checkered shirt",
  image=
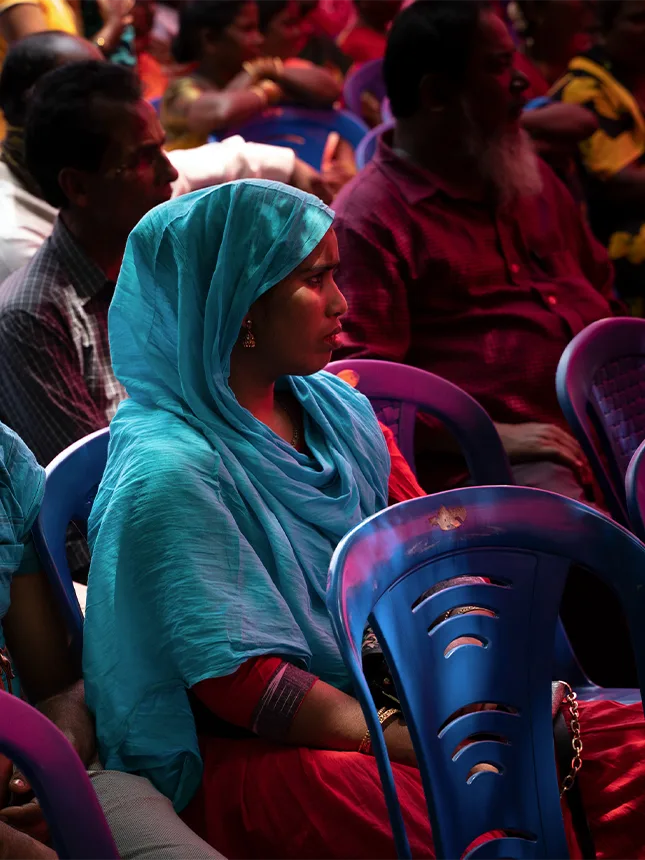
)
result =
(57, 378)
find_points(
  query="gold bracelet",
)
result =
(460, 610)
(385, 717)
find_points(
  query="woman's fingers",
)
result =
(27, 819)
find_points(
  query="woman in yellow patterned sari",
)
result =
(609, 80)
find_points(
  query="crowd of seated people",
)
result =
(186, 293)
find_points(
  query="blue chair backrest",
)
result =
(385, 573)
(635, 491)
(70, 488)
(55, 772)
(302, 129)
(601, 388)
(367, 78)
(367, 147)
(397, 392)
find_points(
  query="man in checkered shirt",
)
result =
(95, 150)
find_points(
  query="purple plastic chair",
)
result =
(635, 491)
(302, 129)
(70, 487)
(367, 78)
(367, 147)
(601, 389)
(523, 542)
(43, 753)
(398, 392)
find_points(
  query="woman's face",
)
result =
(284, 36)
(296, 324)
(241, 40)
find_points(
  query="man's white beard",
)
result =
(508, 162)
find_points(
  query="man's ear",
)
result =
(436, 92)
(74, 185)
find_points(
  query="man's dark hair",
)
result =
(64, 126)
(429, 37)
(26, 62)
(198, 15)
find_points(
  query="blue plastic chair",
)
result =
(367, 78)
(70, 488)
(367, 147)
(397, 392)
(523, 540)
(71, 808)
(601, 388)
(302, 129)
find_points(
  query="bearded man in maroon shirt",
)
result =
(461, 252)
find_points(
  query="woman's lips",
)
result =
(333, 339)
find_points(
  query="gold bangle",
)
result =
(271, 90)
(385, 717)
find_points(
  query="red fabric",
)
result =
(363, 44)
(152, 75)
(260, 799)
(234, 698)
(402, 484)
(486, 299)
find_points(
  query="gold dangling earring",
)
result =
(248, 341)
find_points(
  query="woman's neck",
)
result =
(251, 391)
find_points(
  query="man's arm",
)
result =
(377, 323)
(43, 396)
(234, 158)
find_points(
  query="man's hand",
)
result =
(533, 441)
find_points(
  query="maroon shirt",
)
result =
(487, 299)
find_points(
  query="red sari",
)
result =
(260, 799)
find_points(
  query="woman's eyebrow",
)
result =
(326, 267)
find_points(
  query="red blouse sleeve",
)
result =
(263, 695)
(402, 484)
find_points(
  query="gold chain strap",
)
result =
(6, 669)
(576, 740)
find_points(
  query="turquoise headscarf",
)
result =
(211, 536)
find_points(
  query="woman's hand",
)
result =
(17, 846)
(116, 16)
(27, 817)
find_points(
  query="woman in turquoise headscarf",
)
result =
(234, 469)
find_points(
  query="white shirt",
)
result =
(26, 221)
